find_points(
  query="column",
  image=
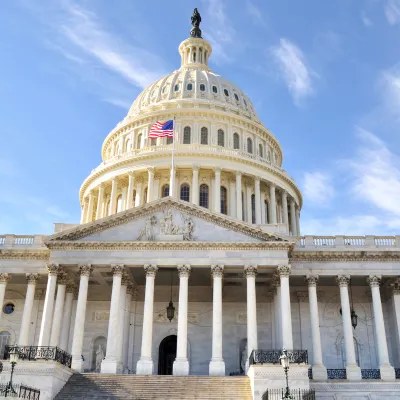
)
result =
(121, 323)
(58, 310)
(132, 330)
(387, 371)
(129, 198)
(128, 305)
(195, 185)
(262, 205)
(45, 328)
(79, 327)
(239, 206)
(249, 216)
(232, 198)
(181, 363)
(217, 190)
(150, 184)
(145, 364)
(272, 204)
(89, 214)
(217, 364)
(257, 196)
(293, 226)
(318, 367)
(352, 369)
(27, 313)
(123, 198)
(66, 322)
(84, 211)
(113, 198)
(298, 221)
(286, 314)
(172, 181)
(395, 289)
(4, 279)
(109, 364)
(138, 198)
(100, 200)
(250, 272)
(285, 210)
(277, 311)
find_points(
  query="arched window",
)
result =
(260, 150)
(253, 208)
(221, 138)
(236, 97)
(226, 92)
(145, 196)
(224, 200)
(204, 135)
(185, 192)
(186, 135)
(139, 142)
(169, 140)
(202, 87)
(176, 87)
(4, 341)
(119, 203)
(128, 145)
(215, 89)
(249, 146)
(203, 195)
(189, 86)
(236, 141)
(165, 191)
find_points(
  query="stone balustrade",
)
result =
(21, 241)
(310, 242)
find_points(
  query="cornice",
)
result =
(347, 256)
(11, 254)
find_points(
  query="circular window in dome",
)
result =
(215, 89)
(189, 86)
(8, 308)
(202, 87)
(226, 92)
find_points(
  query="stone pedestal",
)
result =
(353, 373)
(145, 366)
(387, 373)
(216, 368)
(181, 367)
(319, 373)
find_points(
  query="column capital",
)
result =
(343, 280)
(117, 269)
(195, 167)
(150, 170)
(85, 269)
(131, 174)
(114, 179)
(4, 277)
(239, 174)
(62, 277)
(312, 280)
(184, 270)
(53, 269)
(271, 185)
(217, 169)
(374, 280)
(101, 186)
(150, 269)
(283, 270)
(71, 287)
(32, 278)
(257, 179)
(250, 271)
(126, 279)
(217, 270)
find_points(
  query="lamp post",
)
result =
(284, 360)
(14, 355)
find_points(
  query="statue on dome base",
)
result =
(196, 19)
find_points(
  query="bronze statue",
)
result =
(196, 19)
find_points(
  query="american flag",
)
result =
(162, 129)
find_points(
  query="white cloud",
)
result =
(392, 11)
(318, 188)
(389, 84)
(366, 20)
(254, 12)
(294, 70)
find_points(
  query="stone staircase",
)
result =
(155, 387)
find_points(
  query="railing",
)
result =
(310, 374)
(397, 373)
(295, 394)
(336, 373)
(273, 356)
(385, 241)
(33, 353)
(19, 391)
(19, 241)
(370, 374)
(348, 241)
(24, 240)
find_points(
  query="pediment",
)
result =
(167, 220)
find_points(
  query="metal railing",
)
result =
(370, 374)
(33, 353)
(397, 373)
(336, 373)
(273, 356)
(19, 391)
(295, 394)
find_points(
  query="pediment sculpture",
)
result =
(164, 229)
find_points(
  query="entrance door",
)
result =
(167, 355)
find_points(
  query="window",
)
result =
(221, 138)
(5, 338)
(169, 140)
(139, 142)
(189, 86)
(249, 145)
(8, 308)
(153, 142)
(186, 135)
(185, 192)
(236, 97)
(203, 196)
(253, 208)
(224, 200)
(119, 203)
(245, 103)
(226, 92)
(266, 211)
(204, 135)
(236, 141)
(165, 191)
(260, 150)
(176, 88)
(215, 89)
(202, 87)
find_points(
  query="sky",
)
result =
(324, 77)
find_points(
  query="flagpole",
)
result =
(172, 178)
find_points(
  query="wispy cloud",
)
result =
(392, 11)
(294, 70)
(318, 188)
(255, 13)
(365, 19)
(389, 86)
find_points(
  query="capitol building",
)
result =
(189, 262)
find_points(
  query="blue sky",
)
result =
(324, 77)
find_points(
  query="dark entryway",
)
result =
(166, 355)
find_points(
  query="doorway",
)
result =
(167, 355)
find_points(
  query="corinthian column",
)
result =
(272, 204)
(285, 210)
(318, 367)
(150, 184)
(121, 322)
(217, 364)
(100, 200)
(353, 371)
(79, 327)
(145, 365)
(293, 225)
(129, 198)
(58, 310)
(27, 314)
(257, 195)
(195, 185)
(217, 190)
(47, 316)
(387, 371)
(113, 198)
(286, 314)
(181, 363)
(4, 278)
(239, 206)
(66, 322)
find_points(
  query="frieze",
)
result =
(11, 254)
(346, 256)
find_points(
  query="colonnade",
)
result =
(248, 198)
